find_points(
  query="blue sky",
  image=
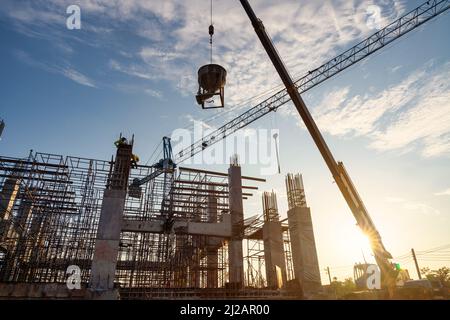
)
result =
(132, 69)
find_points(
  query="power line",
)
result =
(443, 247)
(423, 252)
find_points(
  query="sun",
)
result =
(363, 241)
(355, 244)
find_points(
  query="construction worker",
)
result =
(134, 160)
(120, 141)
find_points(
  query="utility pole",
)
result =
(328, 271)
(332, 286)
(415, 261)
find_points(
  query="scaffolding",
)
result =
(52, 223)
(148, 261)
(53, 217)
(255, 271)
(255, 268)
(50, 208)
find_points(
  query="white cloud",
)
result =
(412, 115)
(154, 93)
(153, 55)
(77, 77)
(443, 193)
(421, 208)
(395, 69)
(131, 70)
(63, 69)
(395, 199)
(427, 120)
(196, 123)
(27, 13)
(413, 206)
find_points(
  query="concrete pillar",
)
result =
(104, 263)
(304, 253)
(196, 273)
(235, 252)
(274, 254)
(8, 197)
(35, 233)
(23, 215)
(180, 273)
(18, 231)
(198, 246)
(195, 264)
(106, 250)
(212, 258)
(2, 260)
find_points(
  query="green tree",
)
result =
(441, 274)
(342, 288)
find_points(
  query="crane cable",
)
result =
(211, 32)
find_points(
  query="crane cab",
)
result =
(211, 86)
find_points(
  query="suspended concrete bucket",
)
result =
(211, 81)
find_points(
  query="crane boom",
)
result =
(363, 49)
(337, 170)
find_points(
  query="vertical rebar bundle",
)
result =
(234, 160)
(270, 206)
(295, 191)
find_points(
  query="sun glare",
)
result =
(355, 245)
(363, 242)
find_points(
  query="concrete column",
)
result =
(35, 233)
(24, 213)
(104, 263)
(180, 272)
(18, 231)
(304, 253)
(274, 254)
(8, 197)
(107, 243)
(235, 252)
(212, 258)
(195, 266)
(196, 253)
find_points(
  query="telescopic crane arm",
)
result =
(338, 171)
